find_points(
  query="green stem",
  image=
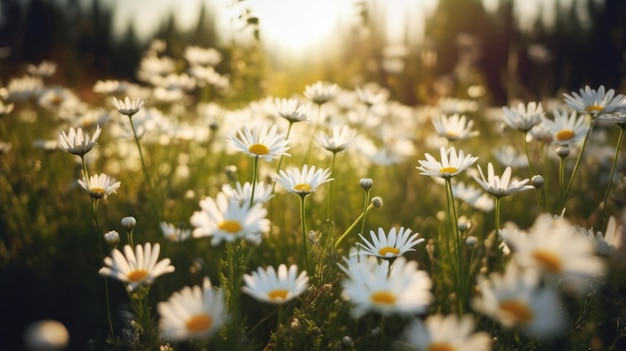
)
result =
(497, 228)
(145, 168)
(254, 175)
(530, 164)
(562, 180)
(280, 160)
(330, 198)
(454, 229)
(352, 226)
(366, 201)
(620, 138)
(304, 236)
(578, 159)
(94, 208)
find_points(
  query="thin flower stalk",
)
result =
(353, 225)
(620, 138)
(280, 160)
(304, 236)
(576, 165)
(454, 229)
(254, 176)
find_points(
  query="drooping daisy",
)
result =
(445, 333)
(398, 288)
(392, 244)
(127, 106)
(242, 193)
(501, 186)
(451, 164)
(524, 117)
(516, 300)
(305, 181)
(261, 141)
(136, 268)
(192, 313)
(595, 102)
(99, 186)
(174, 233)
(566, 130)
(321, 92)
(78, 142)
(339, 140)
(226, 220)
(275, 286)
(554, 248)
(455, 127)
(292, 110)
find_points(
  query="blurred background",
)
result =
(420, 50)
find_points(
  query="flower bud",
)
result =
(377, 201)
(537, 181)
(562, 151)
(471, 240)
(129, 223)
(112, 238)
(366, 183)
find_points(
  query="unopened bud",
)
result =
(377, 201)
(112, 238)
(129, 223)
(471, 240)
(562, 151)
(537, 181)
(366, 183)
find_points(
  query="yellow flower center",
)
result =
(388, 249)
(278, 294)
(565, 134)
(98, 193)
(199, 323)
(302, 188)
(517, 310)
(440, 346)
(56, 100)
(594, 108)
(451, 135)
(137, 275)
(230, 226)
(259, 149)
(548, 260)
(448, 170)
(383, 298)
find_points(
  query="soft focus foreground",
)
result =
(166, 212)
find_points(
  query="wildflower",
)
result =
(226, 220)
(303, 182)
(174, 233)
(99, 186)
(366, 183)
(192, 313)
(595, 102)
(242, 193)
(523, 118)
(451, 164)
(24, 88)
(292, 110)
(509, 157)
(129, 223)
(608, 242)
(455, 127)
(46, 335)
(566, 130)
(261, 141)
(321, 92)
(393, 244)
(398, 288)
(371, 97)
(136, 268)
(45, 69)
(338, 141)
(110, 87)
(517, 300)
(112, 238)
(554, 248)
(450, 333)
(196, 55)
(78, 142)
(501, 186)
(127, 106)
(276, 286)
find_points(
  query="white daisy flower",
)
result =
(110, 87)
(227, 220)
(608, 242)
(566, 130)
(196, 55)
(340, 139)
(451, 164)
(305, 181)
(174, 233)
(192, 313)
(455, 127)
(99, 186)
(554, 248)
(78, 142)
(509, 157)
(127, 106)
(595, 102)
(524, 117)
(392, 244)
(518, 301)
(372, 96)
(501, 186)
(261, 141)
(321, 92)
(449, 333)
(44, 69)
(398, 288)
(292, 110)
(242, 193)
(275, 286)
(136, 268)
